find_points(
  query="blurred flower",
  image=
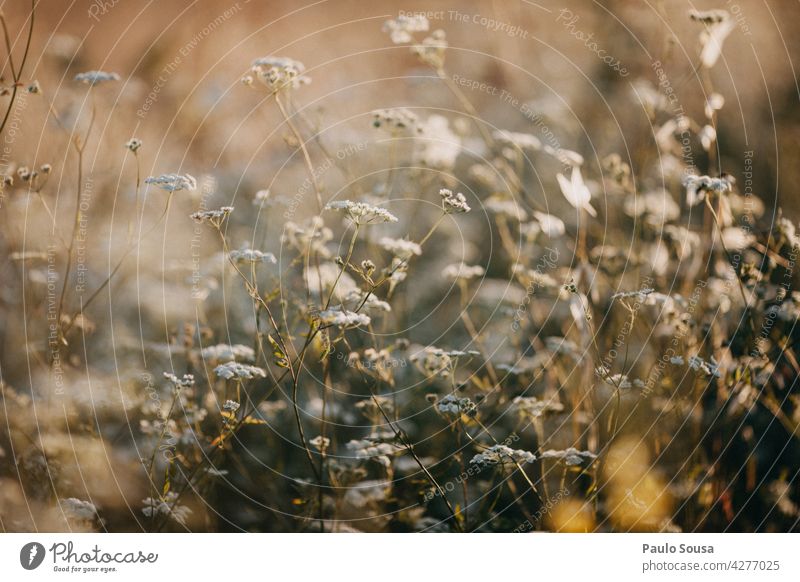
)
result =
(252, 256)
(343, 318)
(462, 271)
(397, 120)
(228, 352)
(401, 28)
(239, 371)
(277, 73)
(432, 49)
(718, 25)
(96, 77)
(401, 248)
(453, 203)
(173, 182)
(213, 217)
(501, 454)
(134, 144)
(570, 456)
(166, 505)
(576, 192)
(362, 213)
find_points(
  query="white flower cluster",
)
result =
(166, 505)
(432, 49)
(251, 256)
(718, 25)
(570, 456)
(372, 303)
(95, 77)
(708, 368)
(231, 406)
(397, 120)
(362, 213)
(453, 203)
(133, 144)
(503, 205)
(433, 361)
(400, 247)
(343, 318)
(173, 182)
(220, 352)
(450, 404)
(532, 407)
(462, 271)
(375, 449)
(213, 217)
(401, 28)
(501, 454)
(320, 443)
(184, 382)
(312, 236)
(239, 371)
(79, 510)
(277, 73)
(698, 186)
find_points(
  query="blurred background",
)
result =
(180, 65)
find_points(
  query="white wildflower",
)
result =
(450, 404)
(166, 505)
(95, 77)
(362, 213)
(501, 454)
(397, 120)
(236, 352)
(431, 50)
(213, 217)
(441, 146)
(239, 371)
(698, 186)
(133, 144)
(277, 73)
(453, 203)
(173, 182)
(231, 406)
(78, 509)
(570, 456)
(462, 271)
(575, 191)
(343, 318)
(718, 25)
(401, 28)
(248, 255)
(708, 368)
(185, 381)
(401, 248)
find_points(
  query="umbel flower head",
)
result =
(401, 28)
(501, 454)
(277, 73)
(718, 25)
(698, 186)
(239, 371)
(173, 182)
(343, 318)
(93, 78)
(453, 203)
(362, 213)
(432, 50)
(251, 256)
(213, 217)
